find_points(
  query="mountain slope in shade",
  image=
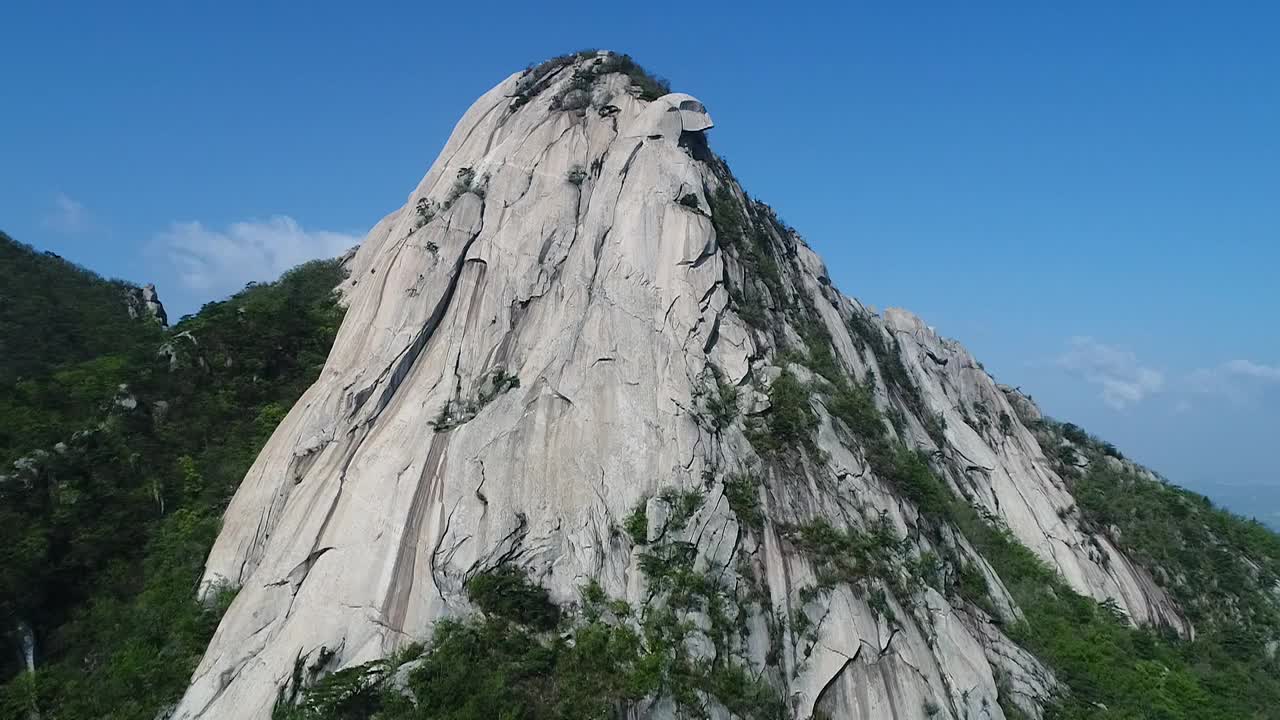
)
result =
(579, 348)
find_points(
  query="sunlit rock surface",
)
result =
(524, 359)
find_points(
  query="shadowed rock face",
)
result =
(562, 249)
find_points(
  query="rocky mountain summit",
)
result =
(580, 352)
(144, 302)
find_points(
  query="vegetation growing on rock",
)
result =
(1219, 567)
(523, 659)
(536, 78)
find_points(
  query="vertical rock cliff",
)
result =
(577, 323)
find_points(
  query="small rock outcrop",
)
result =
(1023, 406)
(144, 302)
(577, 316)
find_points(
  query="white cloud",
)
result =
(254, 250)
(67, 216)
(1250, 369)
(1122, 379)
(1235, 380)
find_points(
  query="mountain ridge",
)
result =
(563, 182)
(598, 429)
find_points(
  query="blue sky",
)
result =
(1088, 196)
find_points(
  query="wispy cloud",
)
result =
(1250, 369)
(223, 261)
(67, 216)
(1120, 378)
(1235, 380)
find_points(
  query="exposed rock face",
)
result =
(182, 347)
(1007, 474)
(27, 645)
(144, 302)
(346, 258)
(527, 356)
(1024, 406)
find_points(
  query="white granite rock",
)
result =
(144, 302)
(409, 466)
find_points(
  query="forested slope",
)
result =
(111, 496)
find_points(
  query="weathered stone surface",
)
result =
(1025, 408)
(124, 399)
(144, 302)
(668, 116)
(180, 348)
(1018, 483)
(408, 466)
